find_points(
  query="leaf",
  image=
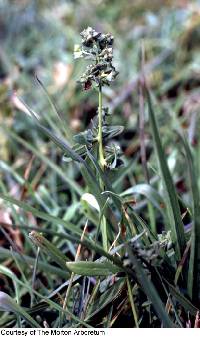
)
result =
(95, 189)
(112, 131)
(87, 268)
(54, 305)
(93, 186)
(42, 266)
(193, 283)
(8, 304)
(53, 105)
(44, 159)
(88, 199)
(84, 138)
(60, 143)
(49, 248)
(40, 214)
(85, 168)
(186, 304)
(150, 290)
(106, 298)
(104, 179)
(149, 192)
(176, 224)
(57, 140)
(130, 295)
(6, 271)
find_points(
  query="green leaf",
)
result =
(40, 214)
(133, 307)
(27, 260)
(8, 304)
(49, 248)
(150, 290)
(6, 271)
(44, 159)
(61, 118)
(93, 185)
(95, 189)
(87, 268)
(84, 138)
(176, 224)
(54, 305)
(57, 140)
(193, 283)
(112, 131)
(85, 168)
(186, 304)
(60, 143)
(106, 298)
(149, 192)
(88, 200)
(104, 179)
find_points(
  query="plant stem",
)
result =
(132, 303)
(100, 139)
(72, 275)
(102, 164)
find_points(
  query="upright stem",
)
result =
(100, 139)
(102, 164)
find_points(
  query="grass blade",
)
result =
(6, 271)
(149, 192)
(106, 298)
(87, 268)
(42, 266)
(40, 214)
(8, 304)
(150, 290)
(193, 283)
(61, 119)
(44, 159)
(130, 294)
(176, 224)
(186, 304)
(49, 248)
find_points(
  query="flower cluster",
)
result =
(97, 47)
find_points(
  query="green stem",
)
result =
(102, 164)
(132, 303)
(100, 138)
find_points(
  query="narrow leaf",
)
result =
(40, 214)
(150, 290)
(42, 266)
(194, 263)
(149, 192)
(87, 268)
(49, 248)
(176, 224)
(186, 304)
(8, 304)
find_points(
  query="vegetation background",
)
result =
(153, 282)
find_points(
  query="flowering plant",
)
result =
(98, 47)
